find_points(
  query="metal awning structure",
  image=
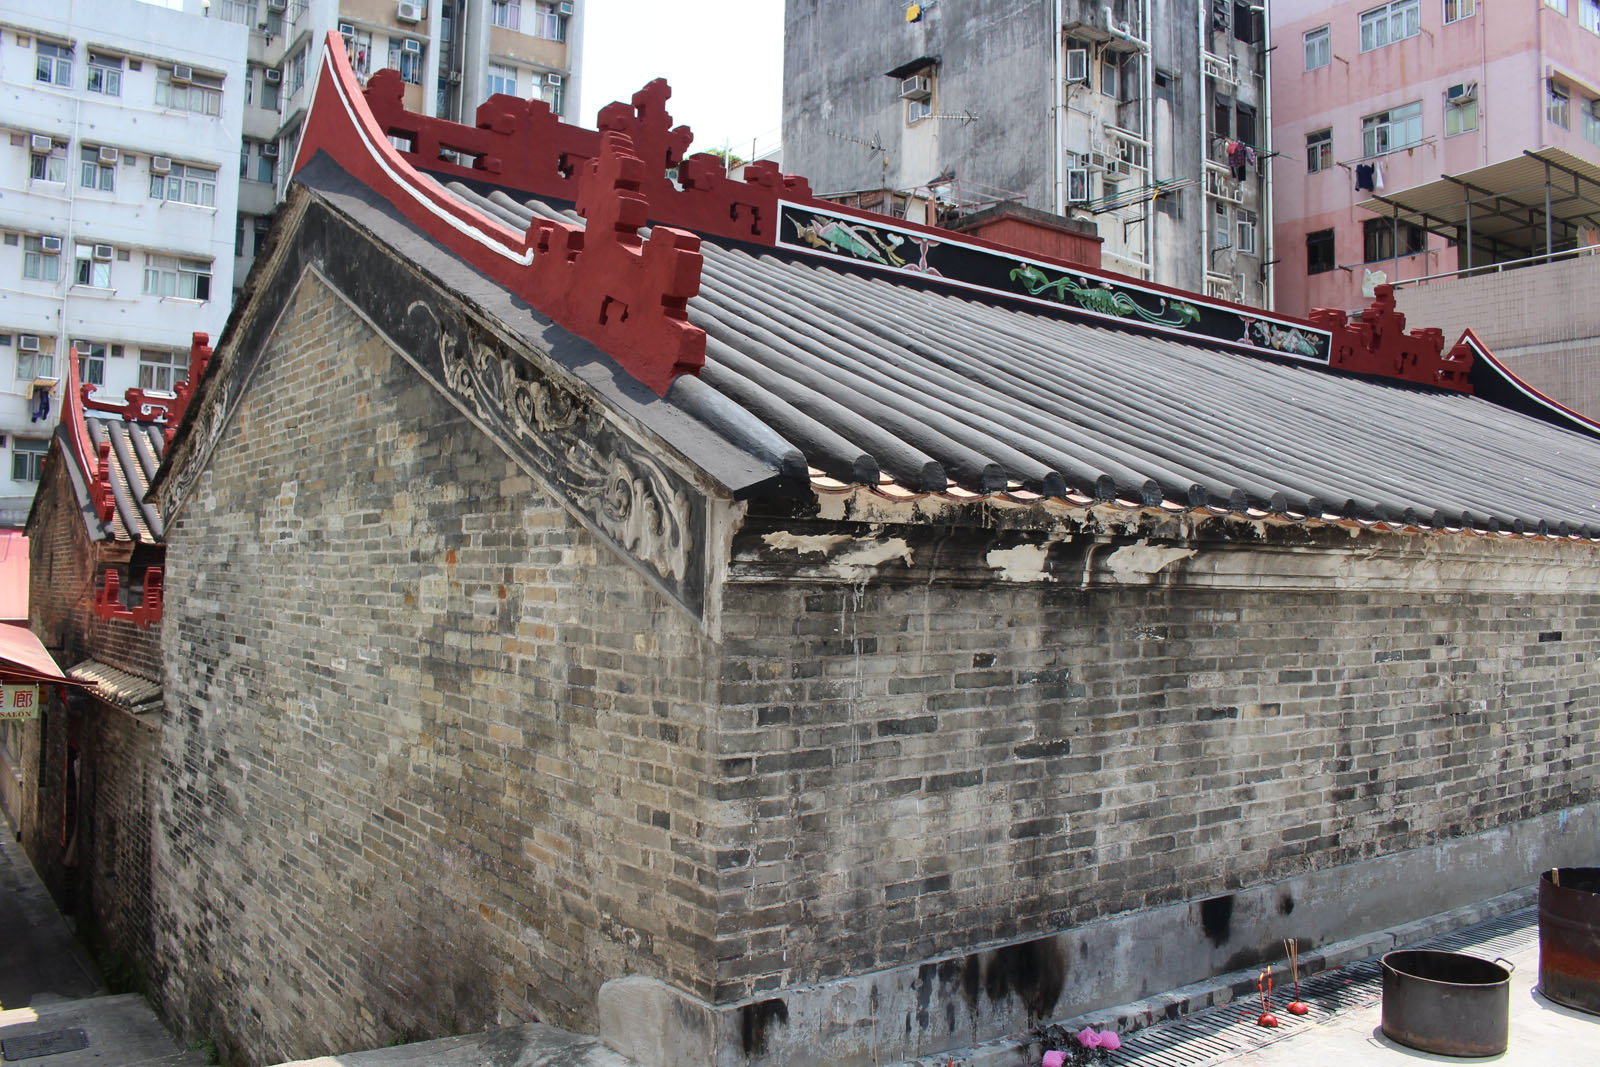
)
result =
(1535, 204)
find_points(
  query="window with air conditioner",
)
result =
(549, 22)
(181, 89)
(47, 160)
(41, 259)
(36, 357)
(408, 61)
(1461, 108)
(94, 172)
(184, 183)
(89, 269)
(550, 88)
(91, 361)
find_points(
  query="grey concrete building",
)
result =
(1120, 112)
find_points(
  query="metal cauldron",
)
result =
(1569, 937)
(1447, 1003)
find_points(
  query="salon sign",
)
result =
(19, 702)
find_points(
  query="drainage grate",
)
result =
(1221, 1033)
(49, 1043)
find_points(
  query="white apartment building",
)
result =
(122, 121)
(451, 54)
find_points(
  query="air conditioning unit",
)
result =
(347, 29)
(916, 88)
(274, 76)
(182, 74)
(160, 164)
(277, 5)
(565, 9)
(1077, 64)
(1119, 166)
(411, 12)
(40, 142)
(270, 149)
(108, 155)
(104, 252)
(1097, 161)
(50, 244)
(28, 342)
(414, 47)
(552, 79)
(1077, 185)
(1461, 93)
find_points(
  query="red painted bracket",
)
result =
(1379, 345)
(139, 406)
(100, 483)
(625, 295)
(108, 599)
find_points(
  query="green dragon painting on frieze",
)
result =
(1103, 299)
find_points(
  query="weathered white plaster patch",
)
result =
(1025, 563)
(821, 544)
(1141, 562)
(875, 553)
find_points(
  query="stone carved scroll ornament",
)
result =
(628, 496)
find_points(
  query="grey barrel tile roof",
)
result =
(874, 378)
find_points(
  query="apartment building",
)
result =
(117, 202)
(1407, 127)
(1149, 118)
(451, 54)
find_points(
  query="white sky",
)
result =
(723, 59)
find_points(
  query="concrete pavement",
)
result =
(54, 1010)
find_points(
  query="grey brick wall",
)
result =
(438, 756)
(915, 766)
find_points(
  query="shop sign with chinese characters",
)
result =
(19, 702)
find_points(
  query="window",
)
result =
(35, 363)
(40, 262)
(358, 46)
(1222, 117)
(1460, 109)
(502, 80)
(1108, 75)
(1390, 130)
(1390, 23)
(185, 183)
(105, 74)
(1589, 15)
(95, 174)
(1591, 122)
(1245, 224)
(1558, 105)
(1245, 124)
(1558, 5)
(27, 457)
(550, 89)
(404, 56)
(297, 69)
(91, 362)
(548, 23)
(270, 91)
(1219, 231)
(1319, 252)
(169, 276)
(91, 269)
(1319, 151)
(155, 369)
(53, 64)
(1456, 10)
(1246, 22)
(507, 13)
(1378, 239)
(49, 166)
(199, 94)
(267, 166)
(1319, 48)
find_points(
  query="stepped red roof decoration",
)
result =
(1380, 345)
(623, 294)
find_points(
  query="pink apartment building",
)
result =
(1404, 126)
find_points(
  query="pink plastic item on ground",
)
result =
(1054, 1059)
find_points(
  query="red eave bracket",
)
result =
(108, 599)
(1379, 345)
(625, 295)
